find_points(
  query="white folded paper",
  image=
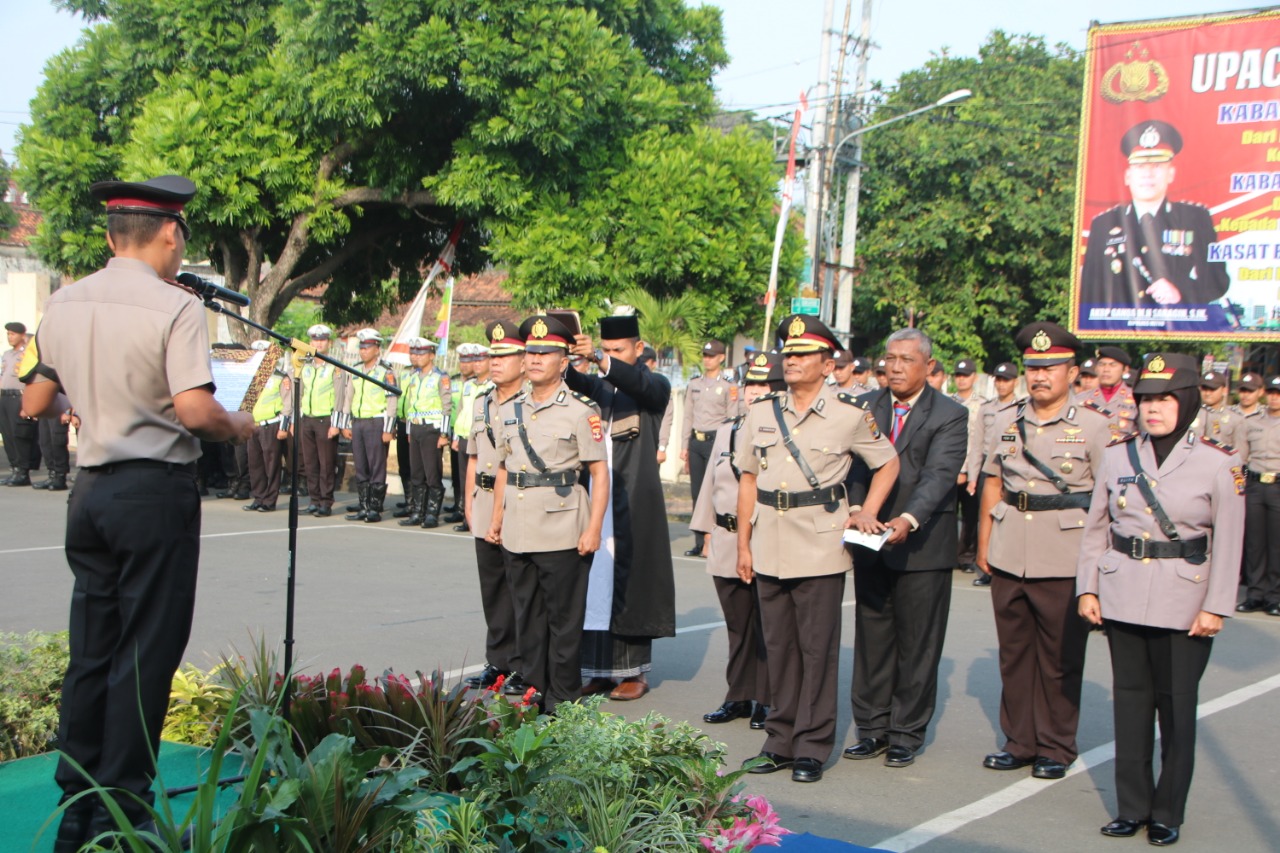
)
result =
(867, 540)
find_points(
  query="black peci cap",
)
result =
(619, 328)
(15, 327)
(1163, 372)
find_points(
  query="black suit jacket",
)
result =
(931, 452)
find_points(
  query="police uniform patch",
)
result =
(597, 429)
(872, 425)
(1237, 477)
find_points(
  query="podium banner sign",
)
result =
(240, 374)
(1177, 218)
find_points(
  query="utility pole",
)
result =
(827, 233)
(815, 161)
(849, 236)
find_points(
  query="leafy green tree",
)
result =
(340, 140)
(965, 214)
(8, 218)
(674, 323)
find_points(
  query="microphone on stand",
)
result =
(207, 290)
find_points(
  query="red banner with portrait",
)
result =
(1177, 220)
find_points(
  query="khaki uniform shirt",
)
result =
(122, 343)
(982, 435)
(1201, 487)
(1238, 424)
(719, 496)
(9, 363)
(664, 430)
(566, 432)
(482, 447)
(1045, 543)
(709, 401)
(972, 457)
(805, 541)
(1219, 423)
(1260, 447)
(1123, 409)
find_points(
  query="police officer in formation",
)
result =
(319, 385)
(477, 384)
(1113, 396)
(367, 417)
(1215, 418)
(264, 447)
(18, 431)
(549, 525)
(710, 400)
(982, 436)
(798, 446)
(426, 407)
(1259, 446)
(1040, 479)
(965, 376)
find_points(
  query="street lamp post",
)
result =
(844, 292)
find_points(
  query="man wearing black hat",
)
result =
(1086, 380)
(1260, 449)
(1040, 478)
(631, 600)
(144, 400)
(903, 590)
(710, 401)
(1151, 252)
(801, 445)
(20, 433)
(1215, 419)
(1113, 396)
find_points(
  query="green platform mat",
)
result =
(28, 794)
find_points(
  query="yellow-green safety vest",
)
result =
(270, 403)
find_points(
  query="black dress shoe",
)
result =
(1273, 610)
(310, 508)
(1047, 768)
(1005, 761)
(1251, 605)
(73, 831)
(729, 712)
(774, 763)
(1161, 835)
(693, 552)
(1123, 828)
(515, 685)
(267, 508)
(983, 579)
(759, 715)
(867, 747)
(899, 756)
(806, 770)
(486, 677)
(253, 507)
(322, 512)
(462, 528)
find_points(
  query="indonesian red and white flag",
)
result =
(411, 325)
(788, 185)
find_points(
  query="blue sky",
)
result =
(774, 45)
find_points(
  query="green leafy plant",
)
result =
(31, 670)
(198, 703)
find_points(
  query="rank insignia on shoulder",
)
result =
(1237, 478)
(560, 397)
(1091, 406)
(1213, 442)
(772, 395)
(847, 398)
(1121, 438)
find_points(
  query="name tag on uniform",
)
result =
(511, 422)
(1008, 438)
(766, 429)
(1126, 481)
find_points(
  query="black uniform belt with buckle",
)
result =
(704, 436)
(1267, 478)
(524, 480)
(126, 464)
(728, 522)
(1026, 502)
(795, 500)
(10, 392)
(1139, 548)
(485, 481)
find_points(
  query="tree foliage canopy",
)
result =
(8, 218)
(340, 140)
(965, 215)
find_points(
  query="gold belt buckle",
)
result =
(784, 501)
(1137, 548)
(700, 436)
(1267, 477)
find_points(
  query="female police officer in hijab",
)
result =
(1158, 568)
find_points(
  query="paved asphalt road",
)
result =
(386, 596)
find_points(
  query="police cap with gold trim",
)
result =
(163, 196)
(544, 334)
(764, 368)
(503, 338)
(804, 333)
(1151, 142)
(1045, 344)
(1163, 372)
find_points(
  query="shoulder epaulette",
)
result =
(851, 400)
(1091, 406)
(583, 398)
(772, 395)
(1130, 436)
(1213, 442)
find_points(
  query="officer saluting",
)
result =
(798, 446)
(709, 402)
(144, 399)
(1034, 504)
(544, 518)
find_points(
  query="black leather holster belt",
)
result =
(1026, 502)
(795, 500)
(1265, 477)
(524, 480)
(1139, 548)
(485, 481)
(728, 522)
(112, 467)
(704, 436)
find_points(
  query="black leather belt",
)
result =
(1139, 548)
(524, 480)
(485, 481)
(11, 392)
(704, 436)
(1027, 502)
(728, 522)
(795, 500)
(124, 465)
(1267, 478)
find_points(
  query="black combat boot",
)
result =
(362, 508)
(20, 477)
(431, 514)
(417, 495)
(377, 494)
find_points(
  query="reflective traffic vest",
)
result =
(421, 402)
(270, 403)
(317, 389)
(471, 392)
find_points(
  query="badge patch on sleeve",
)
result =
(1237, 477)
(597, 429)
(872, 425)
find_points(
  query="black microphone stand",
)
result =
(301, 350)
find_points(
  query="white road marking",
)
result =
(1029, 787)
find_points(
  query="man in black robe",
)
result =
(633, 401)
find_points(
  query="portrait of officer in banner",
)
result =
(1151, 252)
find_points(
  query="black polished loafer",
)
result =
(759, 715)
(1161, 835)
(983, 579)
(773, 764)
(899, 756)
(867, 747)
(1122, 828)
(1004, 761)
(1251, 605)
(1047, 768)
(806, 770)
(253, 507)
(729, 711)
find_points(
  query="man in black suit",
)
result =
(904, 589)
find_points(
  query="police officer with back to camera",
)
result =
(710, 400)
(1040, 478)
(144, 399)
(798, 446)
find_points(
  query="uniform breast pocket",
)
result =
(998, 511)
(1071, 519)
(763, 444)
(556, 502)
(561, 447)
(1188, 572)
